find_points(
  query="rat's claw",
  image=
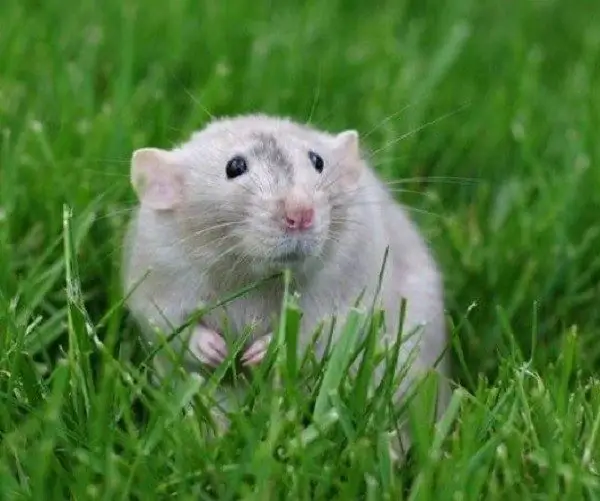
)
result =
(257, 351)
(208, 346)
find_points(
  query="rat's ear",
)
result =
(347, 147)
(156, 179)
(348, 143)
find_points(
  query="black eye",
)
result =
(236, 167)
(316, 160)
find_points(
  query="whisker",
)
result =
(342, 219)
(221, 256)
(417, 129)
(315, 98)
(106, 160)
(395, 203)
(198, 103)
(114, 213)
(215, 227)
(197, 234)
(207, 112)
(387, 119)
(379, 162)
(205, 245)
(435, 179)
(409, 192)
(106, 173)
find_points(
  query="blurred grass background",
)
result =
(498, 98)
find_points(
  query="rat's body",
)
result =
(250, 195)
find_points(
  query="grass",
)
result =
(493, 107)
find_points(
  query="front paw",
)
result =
(256, 352)
(208, 346)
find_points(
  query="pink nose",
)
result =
(299, 219)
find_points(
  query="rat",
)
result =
(250, 195)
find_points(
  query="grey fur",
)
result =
(267, 150)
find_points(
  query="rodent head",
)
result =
(261, 191)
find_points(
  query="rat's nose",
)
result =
(298, 210)
(299, 219)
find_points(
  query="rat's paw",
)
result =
(208, 346)
(256, 352)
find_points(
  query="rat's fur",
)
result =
(213, 235)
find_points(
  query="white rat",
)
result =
(249, 195)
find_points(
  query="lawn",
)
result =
(490, 108)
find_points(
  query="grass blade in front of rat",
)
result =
(367, 352)
(200, 312)
(265, 449)
(293, 317)
(337, 367)
(422, 416)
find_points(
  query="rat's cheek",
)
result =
(254, 237)
(265, 219)
(322, 208)
(348, 175)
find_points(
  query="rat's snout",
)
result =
(298, 210)
(300, 219)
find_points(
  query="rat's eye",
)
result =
(236, 167)
(316, 160)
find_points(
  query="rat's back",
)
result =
(412, 274)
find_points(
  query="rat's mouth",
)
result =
(289, 257)
(295, 250)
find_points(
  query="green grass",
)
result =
(494, 105)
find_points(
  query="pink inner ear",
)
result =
(162, 195)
